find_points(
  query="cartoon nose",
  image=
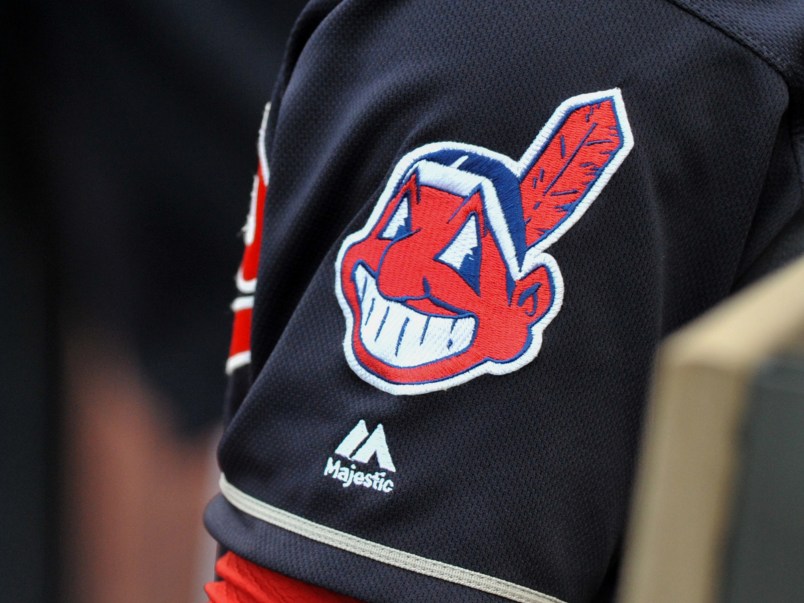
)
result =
(400, 274)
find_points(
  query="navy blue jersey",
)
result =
(471, 226)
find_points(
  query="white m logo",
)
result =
(372, 445)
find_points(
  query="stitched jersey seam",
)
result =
(741, 36)
(378, 552)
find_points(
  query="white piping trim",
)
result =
(242, 303)
(379, 552)
(238, 360)
(243, 285)
(261, 143)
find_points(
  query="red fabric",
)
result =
(251, 254)
(241, 332)
(244, 582)
(569, 166)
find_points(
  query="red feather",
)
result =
(568, 166)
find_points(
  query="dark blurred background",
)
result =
(127, 148)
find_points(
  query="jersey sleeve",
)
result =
(480, 224)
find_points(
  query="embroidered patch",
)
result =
(449, 278)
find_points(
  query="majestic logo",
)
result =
(449, 278)
(360, 447)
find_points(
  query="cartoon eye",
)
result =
(399, 224)
(462, 254)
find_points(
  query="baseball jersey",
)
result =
(471, 225)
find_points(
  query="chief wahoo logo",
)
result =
(449, 279)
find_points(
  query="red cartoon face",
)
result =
(431, 293)
(448, 279)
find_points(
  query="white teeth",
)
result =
(404, 337)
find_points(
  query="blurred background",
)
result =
(128, 136)
(127, 149)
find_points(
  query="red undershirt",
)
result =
(244, 582)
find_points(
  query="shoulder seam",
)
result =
(742, 37)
